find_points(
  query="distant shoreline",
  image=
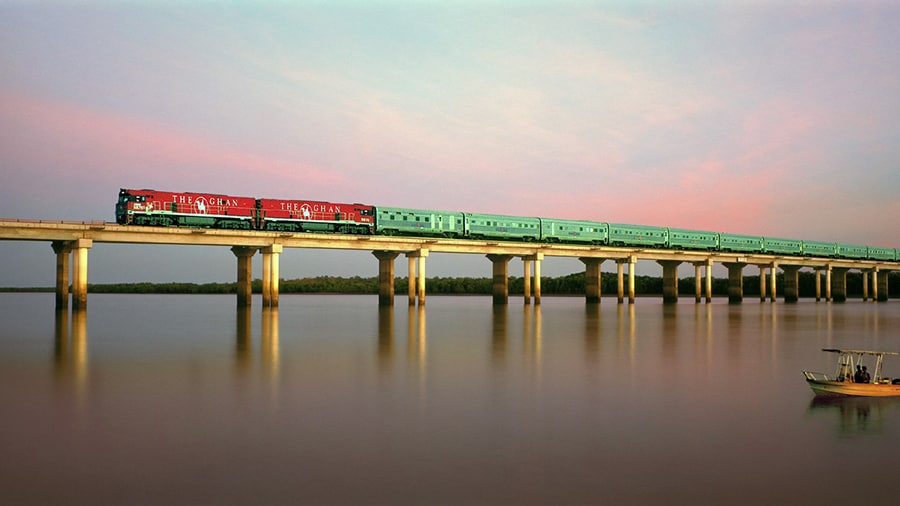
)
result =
(572, 284)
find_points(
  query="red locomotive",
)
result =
(315, 216)
(183, 209)
(205, 210)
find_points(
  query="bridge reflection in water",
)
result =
(511, 334)
(269, 346)
(416, 340)
(70, 350)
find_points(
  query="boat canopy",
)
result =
(846, 362)
(861, 352)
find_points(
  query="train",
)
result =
(147, 207)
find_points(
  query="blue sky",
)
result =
(761, 117)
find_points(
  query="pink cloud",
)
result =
(57, 137)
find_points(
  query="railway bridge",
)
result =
(74, 240)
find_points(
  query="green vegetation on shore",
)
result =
(572, 284)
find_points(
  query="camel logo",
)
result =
(201, 205)
(304, 209)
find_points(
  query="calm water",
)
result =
(185, 400)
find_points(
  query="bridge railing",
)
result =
(92, 223)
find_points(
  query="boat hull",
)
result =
(834, 388)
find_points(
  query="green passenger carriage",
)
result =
(496, 226)
(819, 249)
(574, 231)
(638, 235)
(693, 239)
(402, 221)
(852, 251)
(783, 246)
(881, 253)
(741, 243)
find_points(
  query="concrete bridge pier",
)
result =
(764, 274)
(708, 281)
(880, 285)
(244, 256)
(773, 271)
(535, 287)
(619, 267)
(270, 256)
(828, 283)
(735, 281)
(670, 280)
(592, 279)
(620, 284)
(839, 284)
(631, 264)
(865, 287)
(791, 282)
(80, 249)
(632, 261)
(818, 277)
(500, 267)
(417, 283)
(62, 250)
(386, 276)
(526, 279)
(698, 280)
(763, 291)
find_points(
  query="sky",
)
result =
(775, 118)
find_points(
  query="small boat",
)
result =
(847, 382)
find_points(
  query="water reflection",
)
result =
(832, 322)
(626, 329)
(670, 331)
(532, 335)
(592, 332)
(70, 354)
(243, 340)
(385, 337)
(632, 398)
(823, 322)
(416, 340)
(735, 331)
(499, 335)
(269, 350)
(531, 341)
(703, 333)
(855, 415)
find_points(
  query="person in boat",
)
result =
(845, 376)
(865, 377)
(857, 377)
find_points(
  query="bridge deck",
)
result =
(103, 232)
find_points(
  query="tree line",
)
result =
(572, 284)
